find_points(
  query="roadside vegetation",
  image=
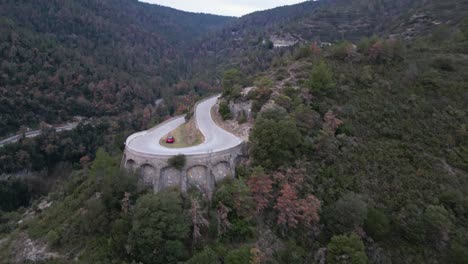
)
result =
(186, 135)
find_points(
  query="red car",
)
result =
(170, 140)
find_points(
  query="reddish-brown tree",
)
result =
(331, 123)
(293, 211)
(286, 207)
(309, 210)
(260, 186)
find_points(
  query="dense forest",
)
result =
(62, 58)
(241, 43)
(358, 151)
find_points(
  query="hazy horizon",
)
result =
(224, 7)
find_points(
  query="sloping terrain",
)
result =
(65, 58)
(241, 43)
(358, 150)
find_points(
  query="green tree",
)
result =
(377, 224)
(458, 254)
(119, 236)
(345, 249)
(292, 254)
(263, 83)
(224, 110)
(235, 195)
(232, 84)
(410, 222)
(238, 256)
(321, 78)
(159, 228)
(346, 214)
(276, 139)
(438, 223)
(206, 256)
(53, 238)
(103, 164)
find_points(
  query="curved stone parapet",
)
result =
(205, 165)
(201, 171)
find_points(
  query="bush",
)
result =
(347, 250)
(458, 254)
(242, 118)
(52, 238)
(207, 256)
(232, 84)
(302, 52)
(445, 64)
(321, 78)
(342, 51)
(178, 161)
(224, 110)
(238, 256)
(377, 224)
(347, 214)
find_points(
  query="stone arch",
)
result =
(198, 176)
(221, 170)
(170, 177)
(130, 165)
(147, 175)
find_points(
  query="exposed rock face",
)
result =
(25, 250)
(241, 108)
(280, 41)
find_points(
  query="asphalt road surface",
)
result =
(36, 133)
(216, 138)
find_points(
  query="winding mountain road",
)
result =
(216, 138)
(36, 133)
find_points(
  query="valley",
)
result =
(331, 131)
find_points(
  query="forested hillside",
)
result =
(241, 43)
(90, 58)
(358, 149)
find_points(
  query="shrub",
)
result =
(346, 249)
(242, 118)
(302, 52)
(342, 51)
(206, 256)
(224, 110)
(321, 78)
(445, 64)
(238, 256)
(347, 214)
(52, 238)
(377, 224)
(232, 83)
(178, 161)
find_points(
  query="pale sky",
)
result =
(223, 7)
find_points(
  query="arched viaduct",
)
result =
(201, 171)
(206, 164)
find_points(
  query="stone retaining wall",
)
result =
(201, 171)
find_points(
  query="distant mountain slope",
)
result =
(62, 58)
(240, 43)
